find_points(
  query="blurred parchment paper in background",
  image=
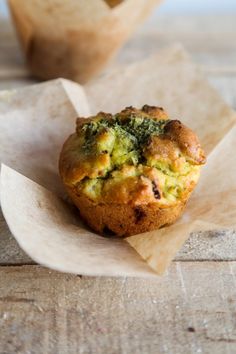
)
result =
(47, 228)
(75, 39)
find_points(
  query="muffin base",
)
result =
(123, 219)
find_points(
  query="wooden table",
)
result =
(192, 309)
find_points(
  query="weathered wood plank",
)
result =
(214, 47)
(11, 57)
(209, 39)
(190, 310)
(10, 252)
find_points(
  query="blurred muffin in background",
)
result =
(75, 39)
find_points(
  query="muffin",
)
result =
(130, 172)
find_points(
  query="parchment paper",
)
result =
(49, 230)
(75, 38)
(34, 123)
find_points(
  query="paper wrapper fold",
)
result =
(50, 231)
(35, 121)
(74, 39)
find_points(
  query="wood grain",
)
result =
(10, 252)
(190, 310)
(209, 39)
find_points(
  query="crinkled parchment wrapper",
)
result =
(75, 39)
(35, 121)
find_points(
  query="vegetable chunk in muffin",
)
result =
(135, 163)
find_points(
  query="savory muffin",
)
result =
(130, 172)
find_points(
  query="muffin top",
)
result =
(137, 156)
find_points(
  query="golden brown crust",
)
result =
(74, 166)
(156, 113)
(123, 219)
(132, 197)
(162, 147)
(80, 121)
(186, 139)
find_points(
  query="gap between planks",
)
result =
(174, 261)
(189, 310)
